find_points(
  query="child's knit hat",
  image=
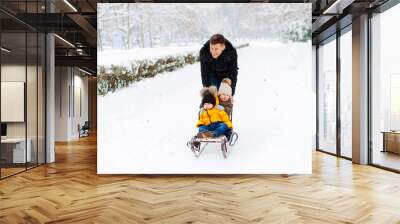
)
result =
(225, 87)
(208, 98)
(211, 89)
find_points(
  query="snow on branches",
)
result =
(115, 77)
(111, 78)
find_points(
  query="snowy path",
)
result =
(144, 128)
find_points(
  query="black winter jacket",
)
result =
(225, 66)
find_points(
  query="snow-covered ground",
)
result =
(144, 128)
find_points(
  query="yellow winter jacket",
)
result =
(216, 114)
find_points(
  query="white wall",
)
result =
(15, 72)
(70, 83)
(62, 81)
(33, 126)
(314, 88)
(80, 84)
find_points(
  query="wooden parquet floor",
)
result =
(70, 191)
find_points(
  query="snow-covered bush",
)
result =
(117, 76)
(111, 78)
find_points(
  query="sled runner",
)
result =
(197, 145)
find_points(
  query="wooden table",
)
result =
(391, 141)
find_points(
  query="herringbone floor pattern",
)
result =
(70, 191)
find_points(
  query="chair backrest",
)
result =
(86, 124)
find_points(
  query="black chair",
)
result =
(84, 130)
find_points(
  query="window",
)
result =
(346, 94)
(385, 89)
(327, 97)
(22, 88)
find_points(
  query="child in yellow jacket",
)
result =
(213, 121)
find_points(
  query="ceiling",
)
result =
(75, 22)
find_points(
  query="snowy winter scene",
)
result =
(153, 61)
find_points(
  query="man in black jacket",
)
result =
(218, 60)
